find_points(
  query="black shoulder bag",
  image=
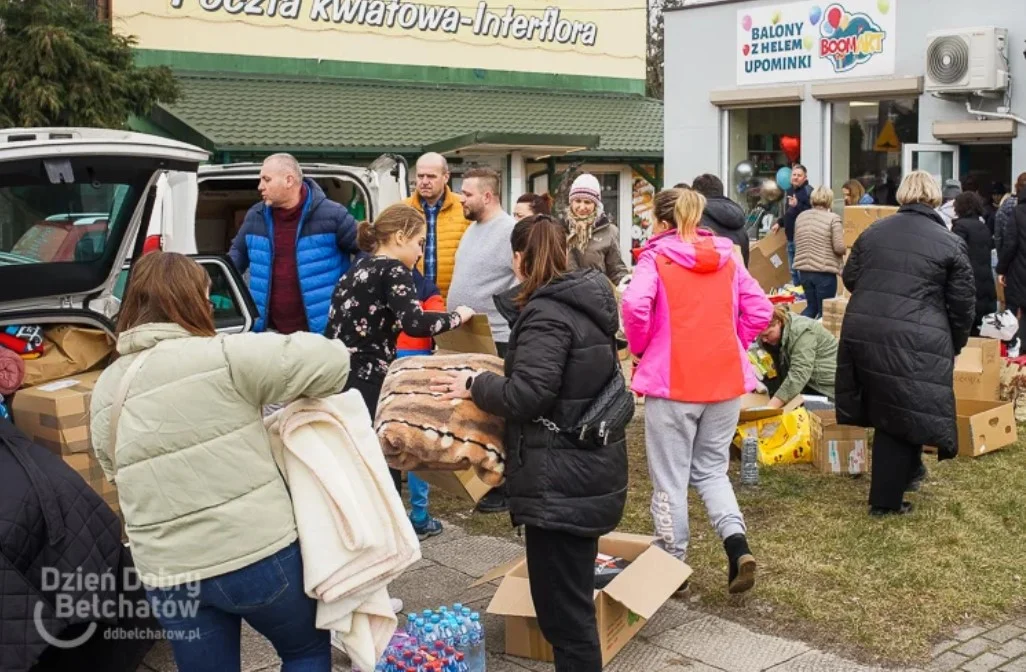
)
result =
(609, 412)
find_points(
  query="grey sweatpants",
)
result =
(689, 444)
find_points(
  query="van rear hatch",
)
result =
(72, 203)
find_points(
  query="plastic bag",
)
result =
(1001, 326)
(783, 439)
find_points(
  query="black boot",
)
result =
(741, 576)
(494, 501)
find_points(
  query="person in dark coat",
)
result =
(909, 316)
(970, 227)
(1012, 260)
(566, 492)
(54, 526)
(798, 199)
(722, 216)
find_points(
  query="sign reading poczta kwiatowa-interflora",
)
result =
(807, 41)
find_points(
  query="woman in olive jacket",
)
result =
(566, 492)
(909, 316)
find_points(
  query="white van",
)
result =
(121, 180)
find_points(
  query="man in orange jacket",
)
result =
(443, 212)
(408, 346)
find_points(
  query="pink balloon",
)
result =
(834, 17)
(746, 22)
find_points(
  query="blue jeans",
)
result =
(418, 498)
(818, 288)
(268, 594)
(795, 278)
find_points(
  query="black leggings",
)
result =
(370, 391)
(895, 465)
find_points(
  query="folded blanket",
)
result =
(354, 533)
(420, 430)
(12, 371)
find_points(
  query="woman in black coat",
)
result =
(1011, 266)
(566, 492)
(910, 313)
(970, 227)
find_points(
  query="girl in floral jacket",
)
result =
(377, 300)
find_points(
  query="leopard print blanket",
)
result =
(420, 431)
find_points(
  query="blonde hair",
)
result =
(920, 187)
(822, 197)
(688, 213)
(855, 192)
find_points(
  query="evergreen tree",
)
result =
(62, 66)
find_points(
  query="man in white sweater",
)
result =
(484, 269)
(484, 259)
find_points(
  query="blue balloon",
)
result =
(815, 14)
(784, 178)
(827, 29)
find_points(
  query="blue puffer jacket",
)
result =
(325, 249)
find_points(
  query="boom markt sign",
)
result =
(816, 41)
(576, 37)
(508, 24)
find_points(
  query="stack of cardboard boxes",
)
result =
(55, 415)
(833, 314)
(985, 422)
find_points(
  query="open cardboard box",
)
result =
(985, 426)
(474, 337)
(622, 607)
(838, 449)
(463, 484)
(753, 407)
(978, 370)
(767, 261)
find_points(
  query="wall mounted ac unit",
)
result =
(967, 60)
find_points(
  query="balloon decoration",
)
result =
(833, 17)
(883, 5)
(784, 178)
(791, 147)
(815, 14)
(770, 191)
(746, 23)
(744, 172)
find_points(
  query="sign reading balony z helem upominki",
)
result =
(816, 41)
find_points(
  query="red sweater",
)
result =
(287, 312)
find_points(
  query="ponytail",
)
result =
(542, 242)
(688, 213)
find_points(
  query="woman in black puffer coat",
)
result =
(910, 312)
(970, 227)
(1011, 266)
(566, 492)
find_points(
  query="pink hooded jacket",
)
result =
(691, 312)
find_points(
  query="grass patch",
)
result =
(880, 590)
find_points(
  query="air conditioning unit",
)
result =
(967, 60)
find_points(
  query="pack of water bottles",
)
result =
(447, 639)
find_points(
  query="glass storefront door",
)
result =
(941, 161)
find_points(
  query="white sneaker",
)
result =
(397, 605)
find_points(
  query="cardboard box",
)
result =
(56, 414)
(978, 370)
(753, 407)
(462, 484)
(858, 218)
(799, 307)
(474, 336)
(622, 607)
(767, 261)
(984, 426)
(838, 449)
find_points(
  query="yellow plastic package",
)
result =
(783, 439)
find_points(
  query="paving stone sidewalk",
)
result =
(677, 639)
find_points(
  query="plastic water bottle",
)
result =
(475, 654)
(750, 461)
(430, 636)
(461, 664)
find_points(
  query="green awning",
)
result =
(254, 114)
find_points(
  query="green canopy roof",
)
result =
(244, 114)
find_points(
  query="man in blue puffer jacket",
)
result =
(296, 244)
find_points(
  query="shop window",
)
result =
(758, 138)
(867, 139)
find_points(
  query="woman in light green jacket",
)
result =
(806, 356)
(206, 510)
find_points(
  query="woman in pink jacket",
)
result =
(690, 312)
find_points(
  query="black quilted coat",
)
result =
(979, 243)
(560, 356)
(1012, 255)
(51, 518)
(910, 313)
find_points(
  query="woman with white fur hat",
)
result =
(594, 240)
